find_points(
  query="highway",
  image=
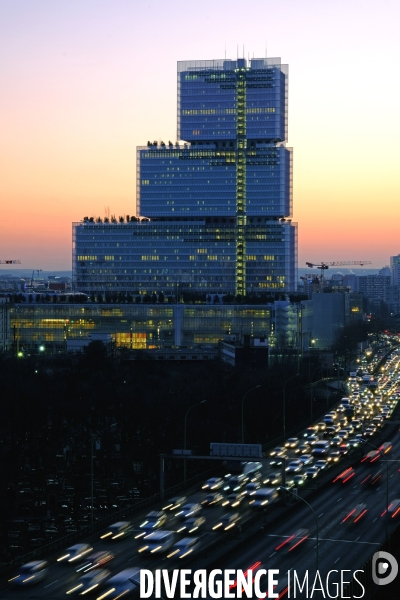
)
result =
(341, 545)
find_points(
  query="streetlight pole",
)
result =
(248, 392)
(184, 438)
(315, 517)
(93, 438)
(364, 441)
(284, 404)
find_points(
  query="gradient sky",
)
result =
(83, 82)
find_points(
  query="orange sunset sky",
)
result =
(83, 82)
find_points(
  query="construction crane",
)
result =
(340, 263)
(10, 262)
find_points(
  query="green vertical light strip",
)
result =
(240, 271)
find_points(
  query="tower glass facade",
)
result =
(217, 204)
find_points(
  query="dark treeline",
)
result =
(51, 406)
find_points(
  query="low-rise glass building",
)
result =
(48, 327)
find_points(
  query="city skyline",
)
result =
(84, 84)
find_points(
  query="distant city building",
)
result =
(5, 330)
(216, 208)
(373, 286)
(395, 270)
(325, 315)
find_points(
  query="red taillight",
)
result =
(349, 515)
(298, 543)
(252, 568)
(289, 539)
(349, 477)
(396, 512)
(360, 515)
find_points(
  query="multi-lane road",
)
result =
(338, 546)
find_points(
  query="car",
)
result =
(89, 581)
(354, 442)
(330, 430)
(371, 457)
(184, 547)
(235, 483)
(343, 434)
(175, 503)
(312, 439)
(75, 553)
(256, 476)
(372, 478)
(265, 496)
(370, 431)
(312, 472)
(272, 478)
(294, 540)
(393, 509)
(122, 584)
(94, 561)
(344, 449)
(212, 499)
(191, 525)
(294, 466)
(321, 448)
(253, 568)
(189, 510)
(292, 442)
(349, 429)
(234, 500)
(311, 430)
(385, 447)
(345, 475)
(157, 541)
(336, 441)
(356, 423)
(252, 487)
(321, 426)
(321, 464)
(299, 479)
(30, 573)
(227, 522)
(306, 459)
(214, 483)
(153, 520)
(304, 447)
(356, 513)
(118, 530)
(278, 451)
(377, 421)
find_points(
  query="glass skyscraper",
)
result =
(215, 208)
